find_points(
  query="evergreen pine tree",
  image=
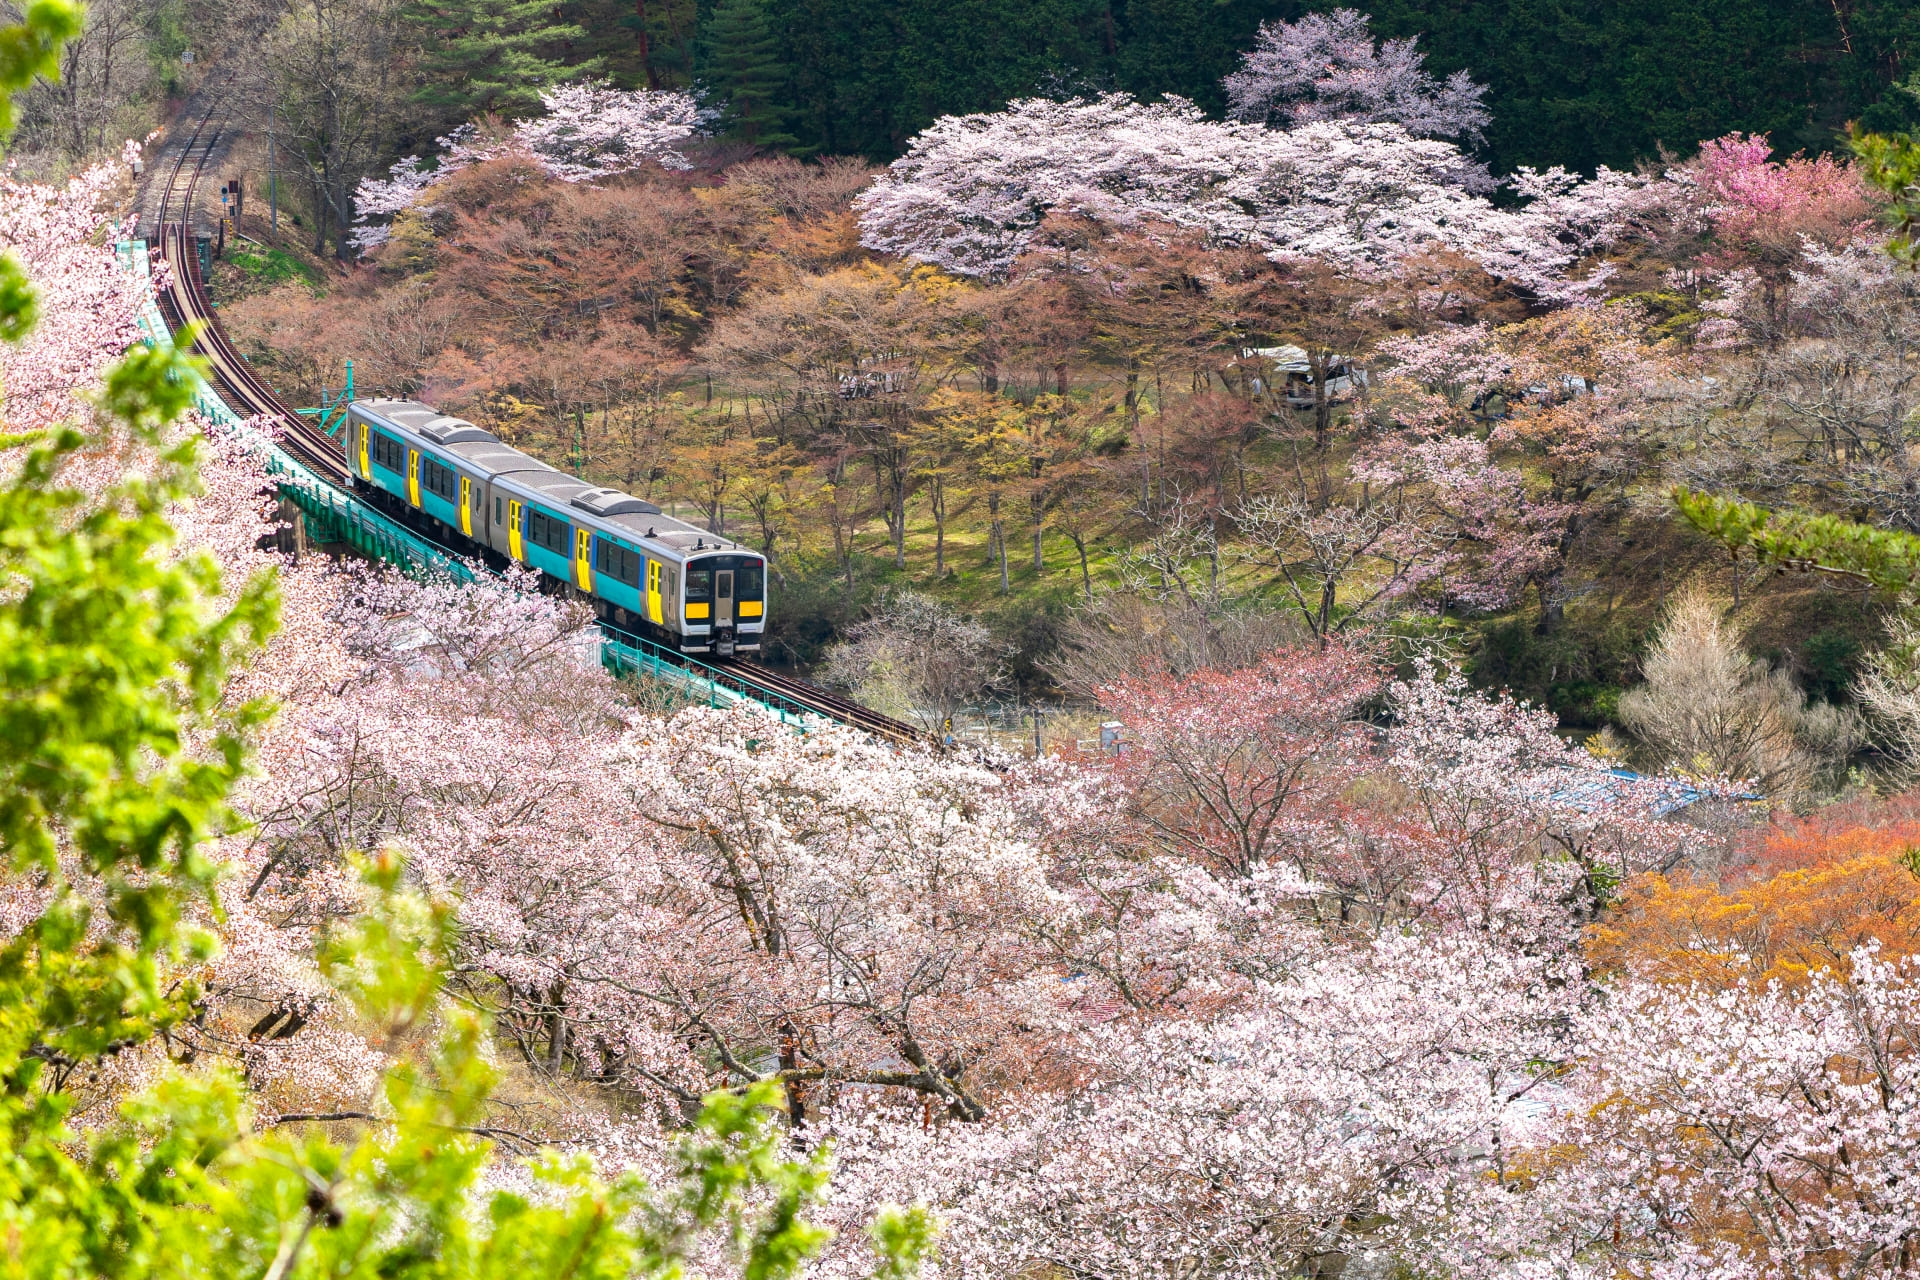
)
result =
(493, 56)
(742, 64)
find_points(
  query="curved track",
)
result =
(185, 301)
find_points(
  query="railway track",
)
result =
(805, 696)
(185, 301)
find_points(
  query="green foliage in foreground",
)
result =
(1885, 558)
(117, 754)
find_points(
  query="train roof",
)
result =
(425, 421)
(491, 458)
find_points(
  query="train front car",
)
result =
(727, 594)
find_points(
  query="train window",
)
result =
(497, 516)
(619, 562)
(747, 581)
(389, 453)
(699, 584)
(554, 535)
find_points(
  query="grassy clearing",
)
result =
(270, 268)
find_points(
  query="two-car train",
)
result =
(645, 572)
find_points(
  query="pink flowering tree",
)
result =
(1240, 769)
(1306, 1124)
(972, 190)
(1755, 204)
(590, 131)
(660, 907)
(84, 312)
(1719, 1132)
(1326, 67)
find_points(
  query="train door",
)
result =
(366, 463)
(723, 612)
(413, 476)
(653, 594)
(583, 559)
(514, 517)
(466, 505)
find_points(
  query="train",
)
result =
(645, 572)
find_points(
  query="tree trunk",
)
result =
(1317, 364)
(900, 516)
(646, 44)
(937, 500)
(999, 536)
(1039, 518)
(1133, 415)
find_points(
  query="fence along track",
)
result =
(318, 483)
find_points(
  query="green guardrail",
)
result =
(635, 656)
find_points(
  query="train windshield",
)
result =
(749, 581)
(699, 584)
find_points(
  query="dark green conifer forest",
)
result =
(1573, 82)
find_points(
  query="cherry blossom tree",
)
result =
(1326, 67)
(85, 305)
(590, 131)
(658, 907)
(1238, 769)
(1308, 1124)
(1758, 206)
(1722, 1132)
(971, 190)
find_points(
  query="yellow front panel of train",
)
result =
(413, 476)
(653, 593)
(466, 505)
(582, 559)
(513, 530)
